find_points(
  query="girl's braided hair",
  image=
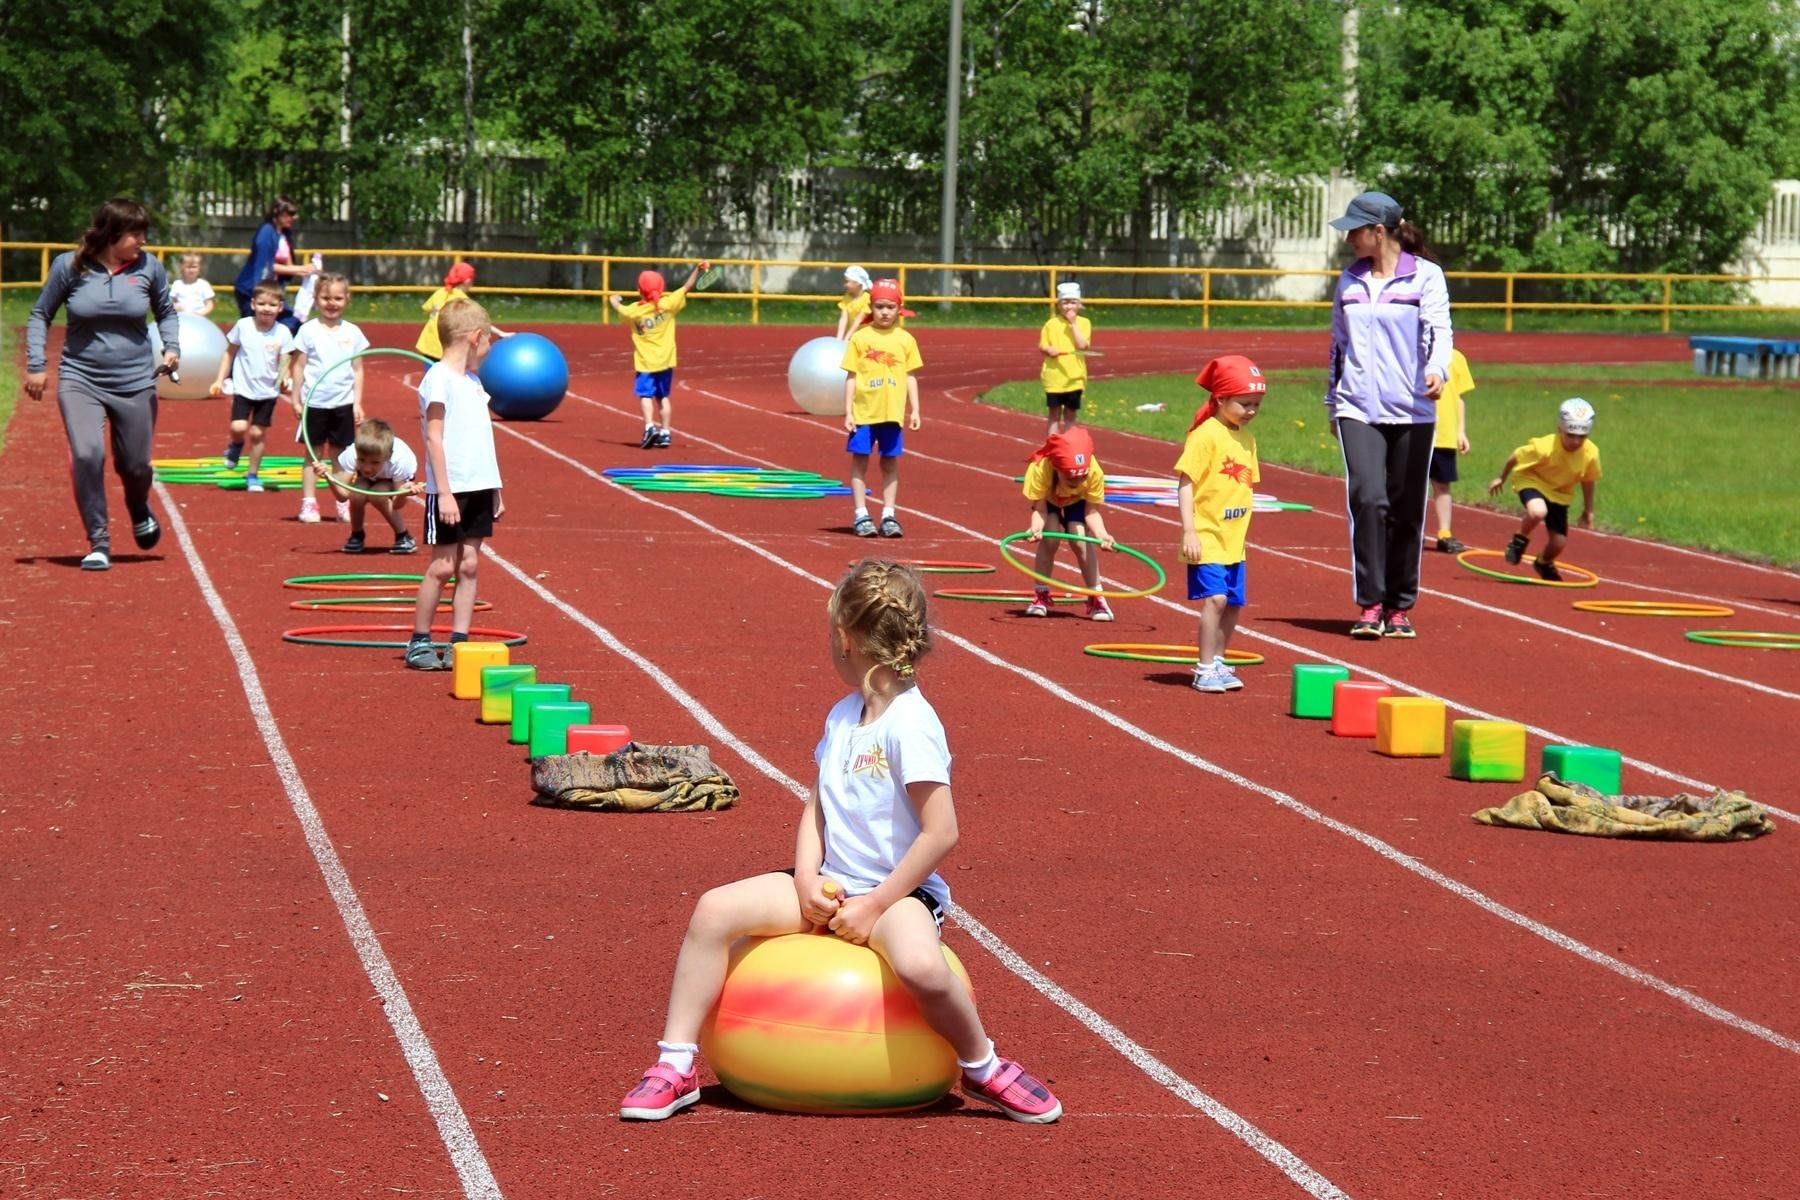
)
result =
(881, 605)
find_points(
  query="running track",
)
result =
(280, 920)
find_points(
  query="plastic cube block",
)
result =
(1409, 727)
(1353, 707)
(1595, 766)
(598, 739)
(497, 684)
(550, 721)
(1487, 750)
(1311, 694)
(524, 695)
(466, 661)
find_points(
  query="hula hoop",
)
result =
(306, 403)
(1162, 577)
(1743, 638)
(313, 635)
(1653, 608)
(1000, 596)
(1590, 580)
(373, 604)
(1154, 652)
(347, 583)
(935, 566)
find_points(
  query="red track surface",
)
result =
(187, 1013)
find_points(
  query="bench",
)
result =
(1746, 357)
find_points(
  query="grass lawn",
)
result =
(1707, 466)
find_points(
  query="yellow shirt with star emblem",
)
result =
(1222, 463)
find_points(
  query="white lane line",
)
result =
(1285, 1160)
(1389, 852)
(440, 1098)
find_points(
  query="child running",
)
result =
(1064, 482)
(1452, 439)
(652, 320)
(333, 409)
(462, 478)
(1216, 477)
(879, 822)
(853, 309)
(878, 391)
(1548, 468)
(1065, 372)
(378, 462)
(256, 351)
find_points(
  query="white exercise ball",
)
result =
(816, 376)
(202, 350)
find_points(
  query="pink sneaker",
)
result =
(664, 1091)
(343, 511)
(1098, 609)
(309, 511)
(1016, 1093)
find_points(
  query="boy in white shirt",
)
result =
(256, 349)
(379, 462)
(462, 478)
(334, 409)
(191, 293)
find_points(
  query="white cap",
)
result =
(1576, 416)
(1068, 291)
(857, 275)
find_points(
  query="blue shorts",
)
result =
(886, 436)
(654, 385)
(1217, 579)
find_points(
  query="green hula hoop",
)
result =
(1167, 654)
(318, 635)
(376, 604)
(1162, 577)
(995, 596)
(306, 403)
(1749, 639)
(1588, 579)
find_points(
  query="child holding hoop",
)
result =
(878, 822)
(1064, 482)
(1216, 477)
(1548, 469)
(378, 462)
(1061, 341)
(652, 321)
(879, 390)
(462, 478)
(333, 409)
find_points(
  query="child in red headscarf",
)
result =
(1215, 489)
(879, 391)
(456, 287)
(1064, 481)
(652, 321)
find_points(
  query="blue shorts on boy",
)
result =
(886, 437)
(1217, 579)
(654, 385)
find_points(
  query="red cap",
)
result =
(651, 285)
(1227, 375)
(459, 274)
(885, 289)
(1071, 451)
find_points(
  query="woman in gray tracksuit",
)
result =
(107, 373)
(1390, 355)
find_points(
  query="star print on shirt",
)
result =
(1236, 471)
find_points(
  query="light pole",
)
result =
(952, 118)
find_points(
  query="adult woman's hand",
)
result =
(1434, 386)
(35, 383)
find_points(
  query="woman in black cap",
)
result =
(1390, 355)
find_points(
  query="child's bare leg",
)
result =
(462, 600)
(1059, 420)
(388, 506)
(890, 483)
(647, 405)
(1535, 512)
(431, 587)
(1214, 633)
(1553, 547)
(668, 413)
(1045, 559)
(359, 504)
(859, 482)
(239, 431)
(309, 483)
(1440, 502)
(1087, 554)
(759, 906)
(907, 937)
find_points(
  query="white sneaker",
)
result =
(343, 512)
(1211, 679)
(309, 512)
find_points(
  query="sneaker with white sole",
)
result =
(1396, 624)
(252, 484)
(651, 434)
(97, 560)
(1098, 609)
(1212, 678)
(146, 533)
(660, 1094)
(404, 544)
(1040, 603)
(354, 543)
(890, 528)
(343, 512)
(233, 451)
(1230, 677)
(863, 526)
(423, 656)
(1368, 623)
(309, 512)
(664, 439)
(1016, 1093)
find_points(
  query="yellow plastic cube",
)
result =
(1487, 751)
(1409, 727)
(466, 661)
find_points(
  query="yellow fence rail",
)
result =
(751, 274)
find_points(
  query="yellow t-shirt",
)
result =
(856, 308)
(1067, 372)
(1042, 482)
(880, 360)
(1543, 464)
(428, 342)
(1450, 402)
(1222, 463)
(653, 330)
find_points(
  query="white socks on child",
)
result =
(983, 1070)
(679, 1055)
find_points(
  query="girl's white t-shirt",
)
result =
(864, 771)
(190, 297)
(256, 371)
(324, 345)
(468, 431)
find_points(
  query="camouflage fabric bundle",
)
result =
(1577, 808)
(636, 778)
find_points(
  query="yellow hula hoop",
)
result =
(1466, 555)
(1157, 652)
(1653, 608)
(1162, 577)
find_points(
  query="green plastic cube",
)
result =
(550, 721)
(497, 684)
(525, 695)
(1595, 766)
(1487, 750)
(1311, 696)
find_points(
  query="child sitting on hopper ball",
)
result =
(378, 462)
(1548, 468)
(879, 821)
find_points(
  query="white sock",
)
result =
(983, 1070)
(679, 1055)
(861, 513)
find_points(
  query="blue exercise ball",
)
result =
(525, 376)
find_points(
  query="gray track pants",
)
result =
(1386, 485)
(86, 413)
